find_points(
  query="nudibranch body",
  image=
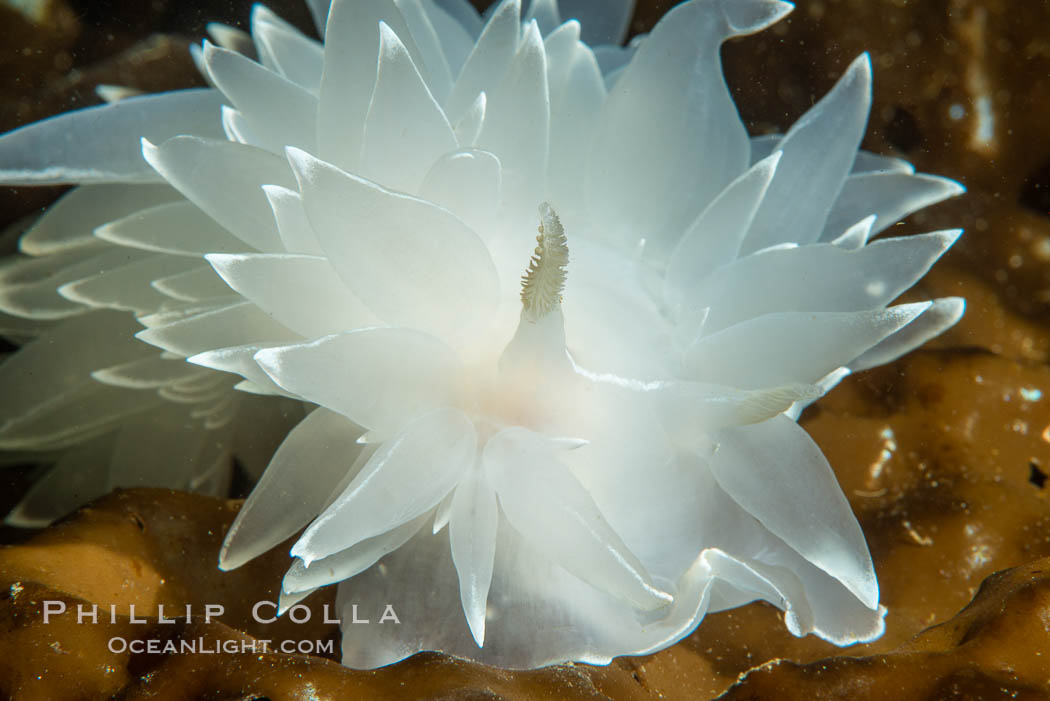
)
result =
(571, 465)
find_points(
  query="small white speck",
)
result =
(1031, 394)
(980, 555)
(956, 111)
(889, 445)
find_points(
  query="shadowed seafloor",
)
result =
(944, 454)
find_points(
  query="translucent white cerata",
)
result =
(551, 311)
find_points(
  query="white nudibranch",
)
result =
(310, 242)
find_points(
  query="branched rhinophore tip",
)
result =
(544, 281)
